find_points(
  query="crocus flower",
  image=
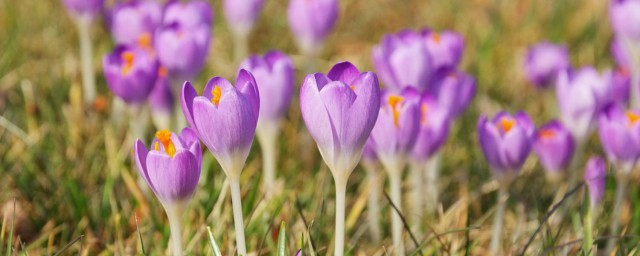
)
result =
(171, 168)
(135, 22)
(403, 60)
(453, 90)
(595, 176)
(182, 49)
(242, 14)
(340, 110)
(554, 146)
(624, 18)
(544, 61)
(445, 48)
(434, 128)
(311, 21)
(84, 8)
(506, 141)
(130, 73)
(621, 81)
(191, 14)
(161, 100)
(619, 54)
(582, 94)
(620, 134)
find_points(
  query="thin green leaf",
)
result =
(212, 241)
(282, 243)
(10, 241)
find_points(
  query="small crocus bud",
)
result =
(340, 110)
(135, 22)
(402, 60)
(620, 134)
(621, 90)
(84, 8)
(130, 73)
(445, 48)
(595, 176)
(225, 118)
(624, 18)
(182, 49)
(311, 21)
(242, 14)
(619, 54)
(582, 94)
(300, 253)
(161, 100)
(544, 61)
(554, 146)
(454, 91)
(171, 167)
(433, 131)
(189, 14)
(506, 142)
(275, 77)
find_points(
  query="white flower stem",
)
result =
(373, 211)
(341, 190)
(268, 136)
(238, 220)
(622, 178)
(415, 208)
(88, 77)
(174, 213)
(587, 245)
(395, 181)
(431, 175)
(498, 218)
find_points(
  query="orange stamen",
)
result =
(393, 102)
(633, 117)
(217, 94)
(144, 41)
(547, 134)
(162, 72)
(423, 117)
(164, 136)
(436, 37)
(353, 87)
(507, 123)
(127, 65)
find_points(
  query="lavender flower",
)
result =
(311, 21)
(130, 73)
(544, 61)
(554, 146)
(402, 60)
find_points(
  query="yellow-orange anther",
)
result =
(144, 41)
(353, 87)
(217, 94)
(633, 117)
(506, 124)
(436, 37)
(423, 113)
(164, 136)
(547, 134)
(162, 72)
(127, 62)
(393, 102)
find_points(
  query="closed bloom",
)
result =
(402, 60)
(506, 141)
(620, 134)
(242, 14)
(433, 131)
(182, 49)
(582, 94)
(130, 73)
(445, 48)
(619, 54)
(135, 22)
(454, 91)
(275, 77)
(340, 110)
(625, 19)
(161, 97)
(84, 8)
(554, 146)
(311, 21)
(621, 80)
(595, 176)
(544, 61)
(191, 14)
(171, 167)
(225, 118)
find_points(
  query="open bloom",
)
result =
(403, 60)
(84, 8)
(582, 94)
(275, 77)
(544, 61)
(445, 48)
(506, 141)
(241, 14)
(433, 131)
(339, 110)
(189, 14)
(311, 21)
(620, 134)
(595, 176)
(182, 49)
(454, 91)
(225, 118)
(554, 146)
(135, 22)
(171, 167)
(130, 73)
(624, 18)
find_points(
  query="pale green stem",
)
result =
(268, 136)
(88, 77)
(341, 190)
(622, 178)
(633, 52)
(373, 211)
(431, 175)
(395, 181)
(587, 240)
(241, 47)
(415, 207)
(238, 220)
(498, 219)
(174, 213)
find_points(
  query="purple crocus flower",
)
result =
(311, 21)
(620, 134)
(544, 61)
(624, 18)
(595, 176)
(135, 22)
(161, 100)
(506, 141)
(224, 118)
(369, 152)
(242, 14)
(403, 60)
(171, 167)
(191, 14)
(182, 49)
(582, 94)
(433, 131)
(84, 8)
(340, 110)
(275, 77)
(554, 146)
(445, 48)
(130, 73)
(621, 81)
(619, 54)
(454, 91)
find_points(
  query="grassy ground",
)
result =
(70, 175)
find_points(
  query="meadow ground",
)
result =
(72, 182)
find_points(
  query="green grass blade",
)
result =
(212, 241)
(10, 241)
(282, 243)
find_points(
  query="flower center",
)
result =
(436, 37)
(423, 110)
(127, 59)
(217, 94)
(164, 136)
(144, 41)
(162, 72)
(393, 102)
(547, 134)
(506, 124)
(632, 117)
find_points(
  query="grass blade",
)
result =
(282, 243)
(10, 241)
(212, 241)
(140, 236)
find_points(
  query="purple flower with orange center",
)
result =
(135, 22)
(433, 129)
(620, 134)
(130, 73)
(554, 146)
(454, 91)
(182, 50)
(402, 60)
(311, 21)
(85, 9)
(189, 14)
(445, 48)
